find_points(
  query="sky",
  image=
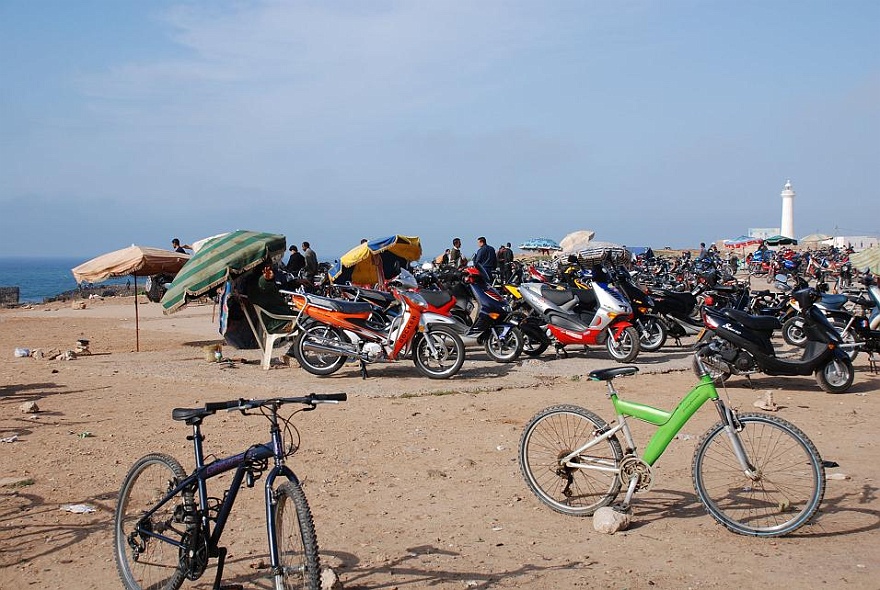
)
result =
(651, 123)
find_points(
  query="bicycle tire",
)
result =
(296, 540)
(553, 433)
(156, 565)
(791, 484)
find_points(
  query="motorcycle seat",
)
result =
(436, 298)
(833, 301)
(379, 297)
(759, 323)
(341, 305)
(556, 296)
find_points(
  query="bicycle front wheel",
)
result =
(585, 482)
(788, 482)
(296, 540)
(142, 558)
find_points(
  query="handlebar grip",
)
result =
(330, 397)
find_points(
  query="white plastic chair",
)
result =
(265, 338)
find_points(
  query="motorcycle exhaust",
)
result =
(330, 348)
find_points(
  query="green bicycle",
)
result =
(755, 473)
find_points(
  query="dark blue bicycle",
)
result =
(166, 527)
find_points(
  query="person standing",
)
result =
(311, 261)
(702, 253)
(456, 260)
(505, 261)
(485, 258)
(175, 245)
(296, 262)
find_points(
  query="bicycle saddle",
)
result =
(609, 374)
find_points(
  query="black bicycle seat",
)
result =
(609, 374)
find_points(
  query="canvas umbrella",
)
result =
(814, 238)
(363, 263)
(867, 258)
(741, 242)
(219, 260)
(137, 261)
(780, 241)
(576, 240)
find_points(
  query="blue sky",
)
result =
(651, 123)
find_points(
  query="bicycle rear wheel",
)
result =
(296, 540)
(786, 491)
(144, 561)
(570, 489)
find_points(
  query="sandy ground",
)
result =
(413, 483)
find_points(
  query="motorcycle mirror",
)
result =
(406, 280)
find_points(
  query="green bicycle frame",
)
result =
(669, 422)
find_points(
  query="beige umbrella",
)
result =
(576, 241)
(137, 261)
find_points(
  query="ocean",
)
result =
(38, 278)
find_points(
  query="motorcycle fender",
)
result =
(501, 329)
(619, 327)
(429, 318)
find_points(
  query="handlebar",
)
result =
(249, 404)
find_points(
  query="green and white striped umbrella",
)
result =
(220, 259)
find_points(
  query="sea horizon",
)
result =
(41, 277)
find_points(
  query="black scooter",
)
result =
(740, 345)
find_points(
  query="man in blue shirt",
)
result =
(485, 258)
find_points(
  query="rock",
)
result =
(766, 402)
(77, 304)
(67, 355)
(608, 520)
(29, 408)
(838, 476)
(329, 580)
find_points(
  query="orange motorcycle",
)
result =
(334, 330)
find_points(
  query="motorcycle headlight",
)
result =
(415, 298)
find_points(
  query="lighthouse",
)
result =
(787, 211)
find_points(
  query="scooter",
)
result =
(328, 327)
(740, 345)
(600, 315)
(483, 313)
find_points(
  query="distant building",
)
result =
(857, 242)
(762, 233)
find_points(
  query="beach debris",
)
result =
(67, 355)
(77, 304)
(608, 520)
(51, 354)
(22, 352)
(766, 402)
(38, 354)
(29, 407)
(85, 434)
(213, 353)
(82, 346)
(79, 508)
(9, 439)
(330, 580)
(837, 476)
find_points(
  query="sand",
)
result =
(413, 483)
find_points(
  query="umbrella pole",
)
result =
(137, 329)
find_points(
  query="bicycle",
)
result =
(166, 527)
(756, 474)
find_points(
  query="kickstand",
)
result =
(363, 369)
(560, 351)
(749, 379)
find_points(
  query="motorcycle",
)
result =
(483, 313)
(652, 330)
(335, 330)
(739, 344)
(600, 315)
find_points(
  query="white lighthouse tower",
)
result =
(787, 211)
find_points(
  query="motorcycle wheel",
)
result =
(535, 341)
(318, 362)
(652, 332)
(836, 376)
(449, 357)
(793, 332)
(626, 348)
(506, 349)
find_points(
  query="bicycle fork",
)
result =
(733, 427)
